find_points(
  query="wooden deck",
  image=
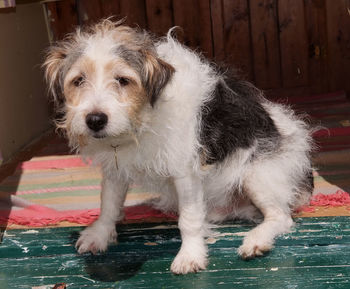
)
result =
(315, 255)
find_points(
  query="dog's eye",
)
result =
(78, 81)
(122, 81)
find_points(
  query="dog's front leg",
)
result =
(102, 232)
(192, 256)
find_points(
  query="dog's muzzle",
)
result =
(96, 121)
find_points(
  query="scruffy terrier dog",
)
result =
(156, 113)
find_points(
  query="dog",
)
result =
(157, 113)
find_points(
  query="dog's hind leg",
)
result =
(192, 256)
(271, 193)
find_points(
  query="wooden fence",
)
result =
(286, 47)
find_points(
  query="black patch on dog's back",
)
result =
(233, 119)
(309, 182)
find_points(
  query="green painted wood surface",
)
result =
(315, 255)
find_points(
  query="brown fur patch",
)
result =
(133, 93)
(74, 94)
(136, 99)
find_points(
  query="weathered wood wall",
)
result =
(287, 47)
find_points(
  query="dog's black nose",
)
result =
(96, 121)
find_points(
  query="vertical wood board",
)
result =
(315, 17)
(89, 11)
(293, 43)
(159, 16)
(265, 43)
(237, 40)
(217, 26)
(111, 8)
(193, 16)
(135, 12)
(338, 29)
(62, 17)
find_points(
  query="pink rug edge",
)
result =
(41, 216)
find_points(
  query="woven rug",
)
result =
(54, 186)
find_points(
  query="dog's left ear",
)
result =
(157, 74)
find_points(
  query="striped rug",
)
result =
(54, 186)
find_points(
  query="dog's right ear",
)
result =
(53, 71)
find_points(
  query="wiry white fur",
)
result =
(163, 153)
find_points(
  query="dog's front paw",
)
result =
(186, 262)
(253, 248)
(96, 238)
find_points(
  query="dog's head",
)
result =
(105, 76)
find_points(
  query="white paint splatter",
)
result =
(231, 234)
(68, 264)
(18, 244)
(44, 286)
(93, 281)
(30, 232)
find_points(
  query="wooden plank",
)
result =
(308, 100)
(89, 11)
(293, 43)
(227, 272)
(237, 40)
(193, 16)
(338, 30)
(111, 8)
(284, 93)
(265, 43)
(135, 11)
(314, 255)
(62, 17)
(315, 17)
(217, 26)
(159, 16)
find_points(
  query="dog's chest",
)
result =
(139, 161)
